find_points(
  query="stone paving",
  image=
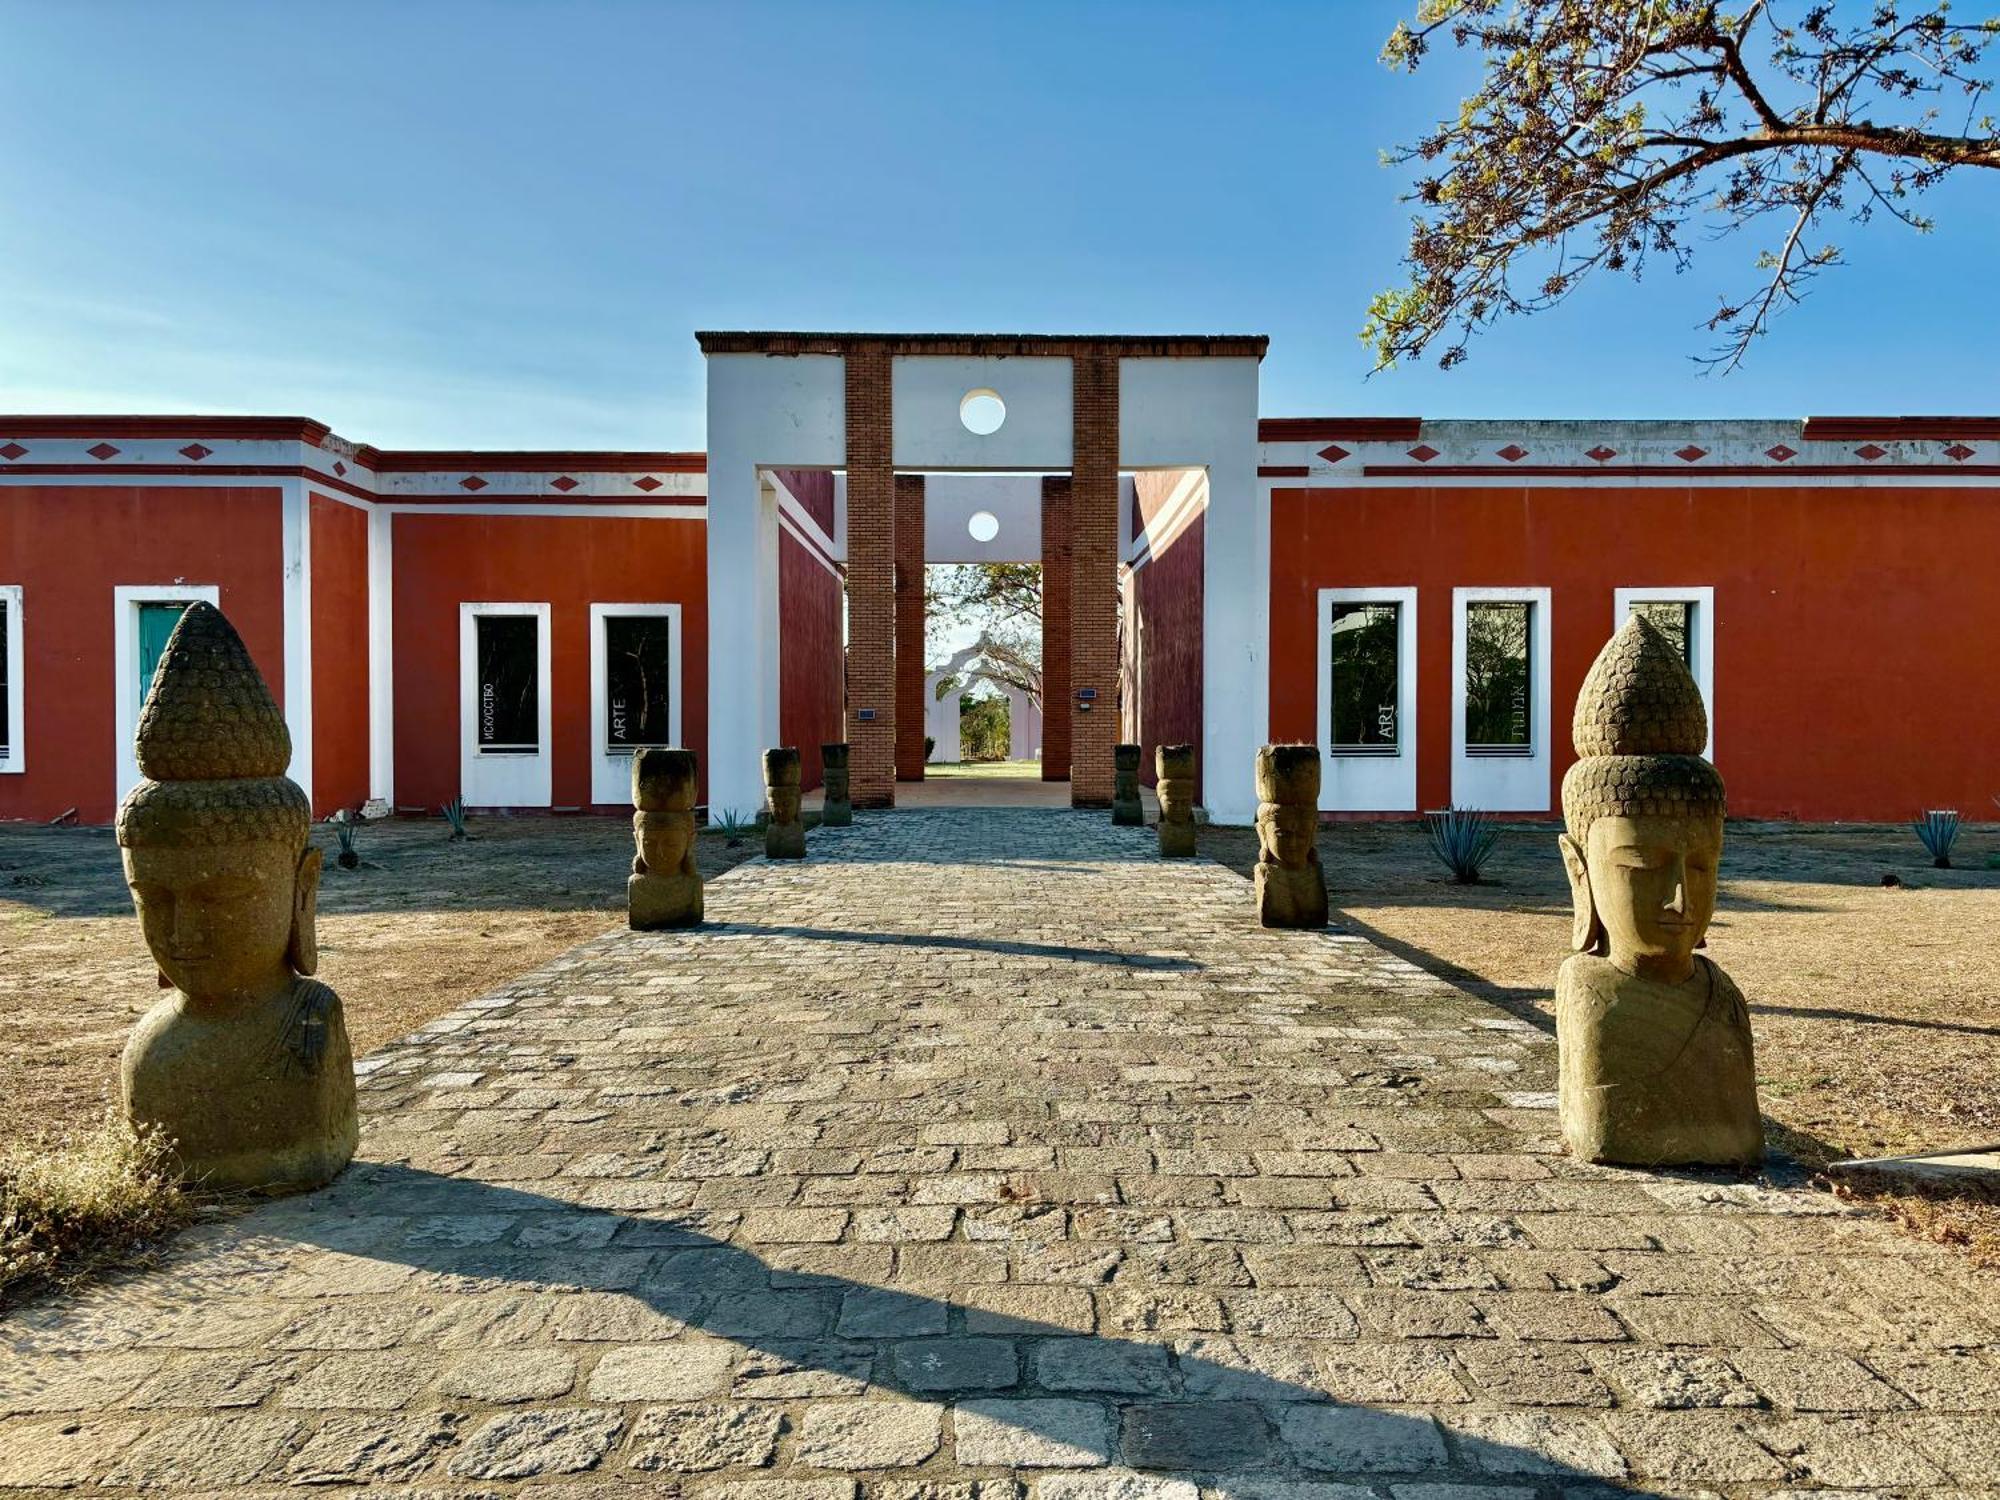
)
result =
(983, 1156)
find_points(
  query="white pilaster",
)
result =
(381, 665)
(297, 532)
(763, 411)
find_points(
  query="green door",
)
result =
(156, 623)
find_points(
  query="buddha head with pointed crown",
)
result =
(1643, 810)
(215, 836)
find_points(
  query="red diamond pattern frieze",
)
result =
(1871, 452)
(1958, 453)
(648, 484)
(472, 482)
(1781, 453)
(196, 452)
(12, 451)
(1423, 453)
(1333, 453)
(1513, 453)
(102, 451)
(1602, 454)
(1690, 453)
(339, 467)
(564, 483)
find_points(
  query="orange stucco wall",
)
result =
(1856, 651)
(68, 547)
(339, 655)
(569, 562)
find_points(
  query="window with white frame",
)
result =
(635, 690)
(13, 754)
(638, 682)
(1501, 757)
(1368, 698)
(1365, 678)
(1500, 683)
(1686, 616)
(508, 705)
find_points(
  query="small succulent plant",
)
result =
(453, 812)
(1462, 839)
(346, 829)
(1938, 828)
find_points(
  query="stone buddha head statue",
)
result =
(1643, 810)
(214, 837)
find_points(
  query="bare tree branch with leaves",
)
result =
(1606, 133)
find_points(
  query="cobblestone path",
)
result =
(984, 1156)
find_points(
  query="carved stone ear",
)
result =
(302, 950)
(1586, 932)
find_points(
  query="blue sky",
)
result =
(498, 224)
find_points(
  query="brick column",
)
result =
(909, 627)
(1093, 543)
(1057, 702)
(871, 580)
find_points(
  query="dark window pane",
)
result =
(636, 669)
(6, 714)
(1675, 619)
(1366, 674)
(1499, 684)
(509, 708)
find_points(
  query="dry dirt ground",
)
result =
(1876, 1007)
(422, 926)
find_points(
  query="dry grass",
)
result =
(423, 925)
(1876, 1008)
(98, 1198)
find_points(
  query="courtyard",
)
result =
(983, 1145)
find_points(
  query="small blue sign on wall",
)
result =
(865, 715)
(1086, 695)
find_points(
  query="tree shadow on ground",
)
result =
(1010, 946)
(1023, 1392)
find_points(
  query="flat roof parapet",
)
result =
(1132, 346)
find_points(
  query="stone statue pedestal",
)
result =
(1291, 890)
(256, 1128)
(664, 889)
(1127, 811)
(1654, 1074)
(785, 831)
(836, 809)
(1174, 765)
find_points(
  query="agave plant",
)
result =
(1938, 828)
(1462, 838)
(733, 826)
(346, 829)
(453, 812)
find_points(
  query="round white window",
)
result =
(984, 526)
(982, 411)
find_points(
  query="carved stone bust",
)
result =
(785, 832)
(1126, 808)
(664, 889)
(1174, 765)
(245, 1065)
(1656, 1057)
(1291, 890)
(836, 804)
